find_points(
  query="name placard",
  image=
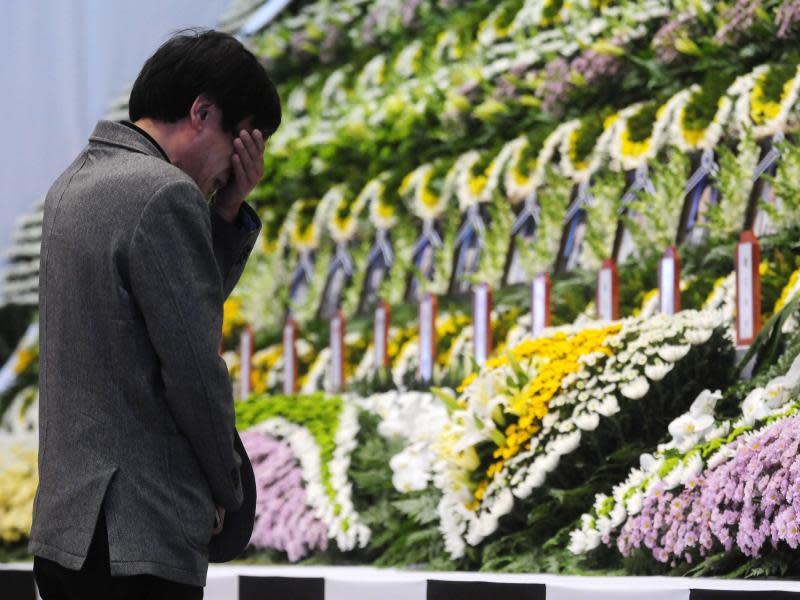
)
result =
(427, 336)
(748, 288)
(482, 322)
(290, 357)
(608, 291)
(337, 351)
(246, 348)
(380, 334)
(669, 277)
(540, 303)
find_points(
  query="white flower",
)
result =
(688, 425)
(603, 526)
(649, 463)
(718, 432)
(673, 353)
(504, 503)
(618, 515)
(693, 466)
(635, 389)
(634, 504)
(566, 443)
(609, 406)
(777, 392)
(722, 455)
(705, 403)
(674, 478)
(592, 539)
(577, 541)
(698, 336)
(658, 371)
(587, 421)
(754, 407)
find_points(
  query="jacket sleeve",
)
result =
(178, 286)
(233, 243)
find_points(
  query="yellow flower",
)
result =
(305, 238)
(553, 359)
(385, 211)
(231, 316)
(25, 358)
(632, 148)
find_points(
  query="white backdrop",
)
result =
(62, 62)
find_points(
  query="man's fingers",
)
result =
(244, 154)
(239, 173)
(250, 144)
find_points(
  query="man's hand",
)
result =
(220, 520)
(248, 169)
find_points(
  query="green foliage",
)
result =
(640, 125)
(734, 181)
(654, 218)
(495, 244)
(318, 413)
(601, 218)
(404, 526)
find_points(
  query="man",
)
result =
(136, 459)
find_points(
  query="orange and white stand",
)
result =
(337, 351)
(427, 336)
(748, 289)
(482, 322)
(290, 356)
(669, 278)
(380, 334)
(246, 349)
(607, 294)
(540, 303)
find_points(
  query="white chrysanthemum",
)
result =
(705, 403)
(674, 353)
(635, 389)
(587, 421)
(634, 504)
(657, 371)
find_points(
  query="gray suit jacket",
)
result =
(136, 409)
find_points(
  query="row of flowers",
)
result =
(532, 406)
(718, 483)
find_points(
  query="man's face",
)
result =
(209, 157)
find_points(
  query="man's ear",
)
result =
(200, 111)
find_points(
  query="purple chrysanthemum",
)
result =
(750, 502)
(284, 521)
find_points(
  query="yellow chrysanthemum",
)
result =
(25, 358)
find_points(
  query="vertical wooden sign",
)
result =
(427, 336)
(748, 288)
(482, 322)
(380, 334)
(607, 295)
(246, 349)
(290, 357)
(540, 303)
(669, 278)
(337, 350)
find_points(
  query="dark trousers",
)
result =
(94, 580)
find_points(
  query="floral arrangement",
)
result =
(18, 482)
(765, 98)
(284, 520)
(701, 116)
(321, 432)
(717, 483)
(415, 419)
(527, 409)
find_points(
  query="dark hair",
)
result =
(194, 62)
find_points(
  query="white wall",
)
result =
(61, 64)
